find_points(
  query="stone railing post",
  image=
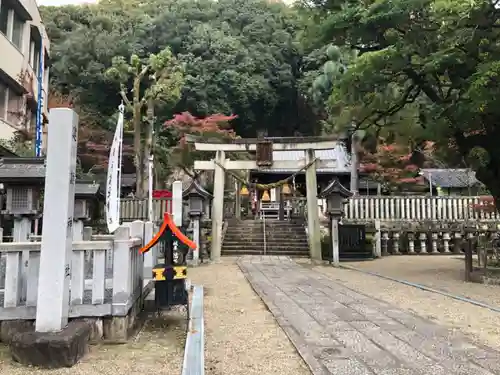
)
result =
(137, 259)
(377, 250)
(411, 243)
(122, 267)
(446, 242)
(395, 243)
(150, 257)
(434, 243)
(423, 244)
(385, 242)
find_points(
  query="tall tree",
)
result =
(435, 57)
(240, 57)
(153, 81)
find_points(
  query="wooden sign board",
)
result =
(264, 154)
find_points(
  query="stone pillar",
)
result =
(150, 256)
(313, 229)
(57, 235)
(281, 212)
(177, 202)
(218, 207)
(21, 233)
(196, 239)
(78, 230)
(377, 249)
(238, 199)
(334, 237)
(22, 229)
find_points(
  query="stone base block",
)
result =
(9, 328)
(52, 349)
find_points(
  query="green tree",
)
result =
(435, 58)
(153, 82)
(239, 56)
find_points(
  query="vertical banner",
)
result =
(39, 108)
(113, 183)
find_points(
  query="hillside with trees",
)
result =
(408, 73)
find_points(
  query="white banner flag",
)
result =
(114, 176)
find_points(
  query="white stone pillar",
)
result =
(150, 256)
(237, 187)
(334, 235)
(21, 233)
(312, 208)
(218, 207)
(177, 202)
(78, 230)
(196, 240)
(378, 240)
(57, 234)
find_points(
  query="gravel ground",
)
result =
(440, 272)
(241, 336)
(157, 349)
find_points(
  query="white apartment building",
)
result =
(21, 37)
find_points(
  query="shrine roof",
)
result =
(450, 178)
(21, 169)
(128, 179)
(338, 153)
(86, 188)
(280, 140)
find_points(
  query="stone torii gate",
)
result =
(263, 148)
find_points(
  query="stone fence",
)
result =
(392, 238)
(107, 274)
(417, 208)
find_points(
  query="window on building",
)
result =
(3, 100)
(17, 31)
(36, 60)
(15, 110)
(4, 17)
(31, 52)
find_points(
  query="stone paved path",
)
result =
(340, 331)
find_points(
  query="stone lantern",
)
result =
(335, 195)
(198, 202)
(86, 202)
(22, 180)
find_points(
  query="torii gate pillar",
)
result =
(218, 207)
(313, 227)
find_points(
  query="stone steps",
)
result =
(260, 244)
(276, 247)
(301, 254)
(269, 237)
(282, 238)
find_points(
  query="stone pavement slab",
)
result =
(338, 330)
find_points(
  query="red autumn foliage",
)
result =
(390, 163)
(216, 124)
(394, 163)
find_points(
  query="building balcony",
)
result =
(12, 65)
